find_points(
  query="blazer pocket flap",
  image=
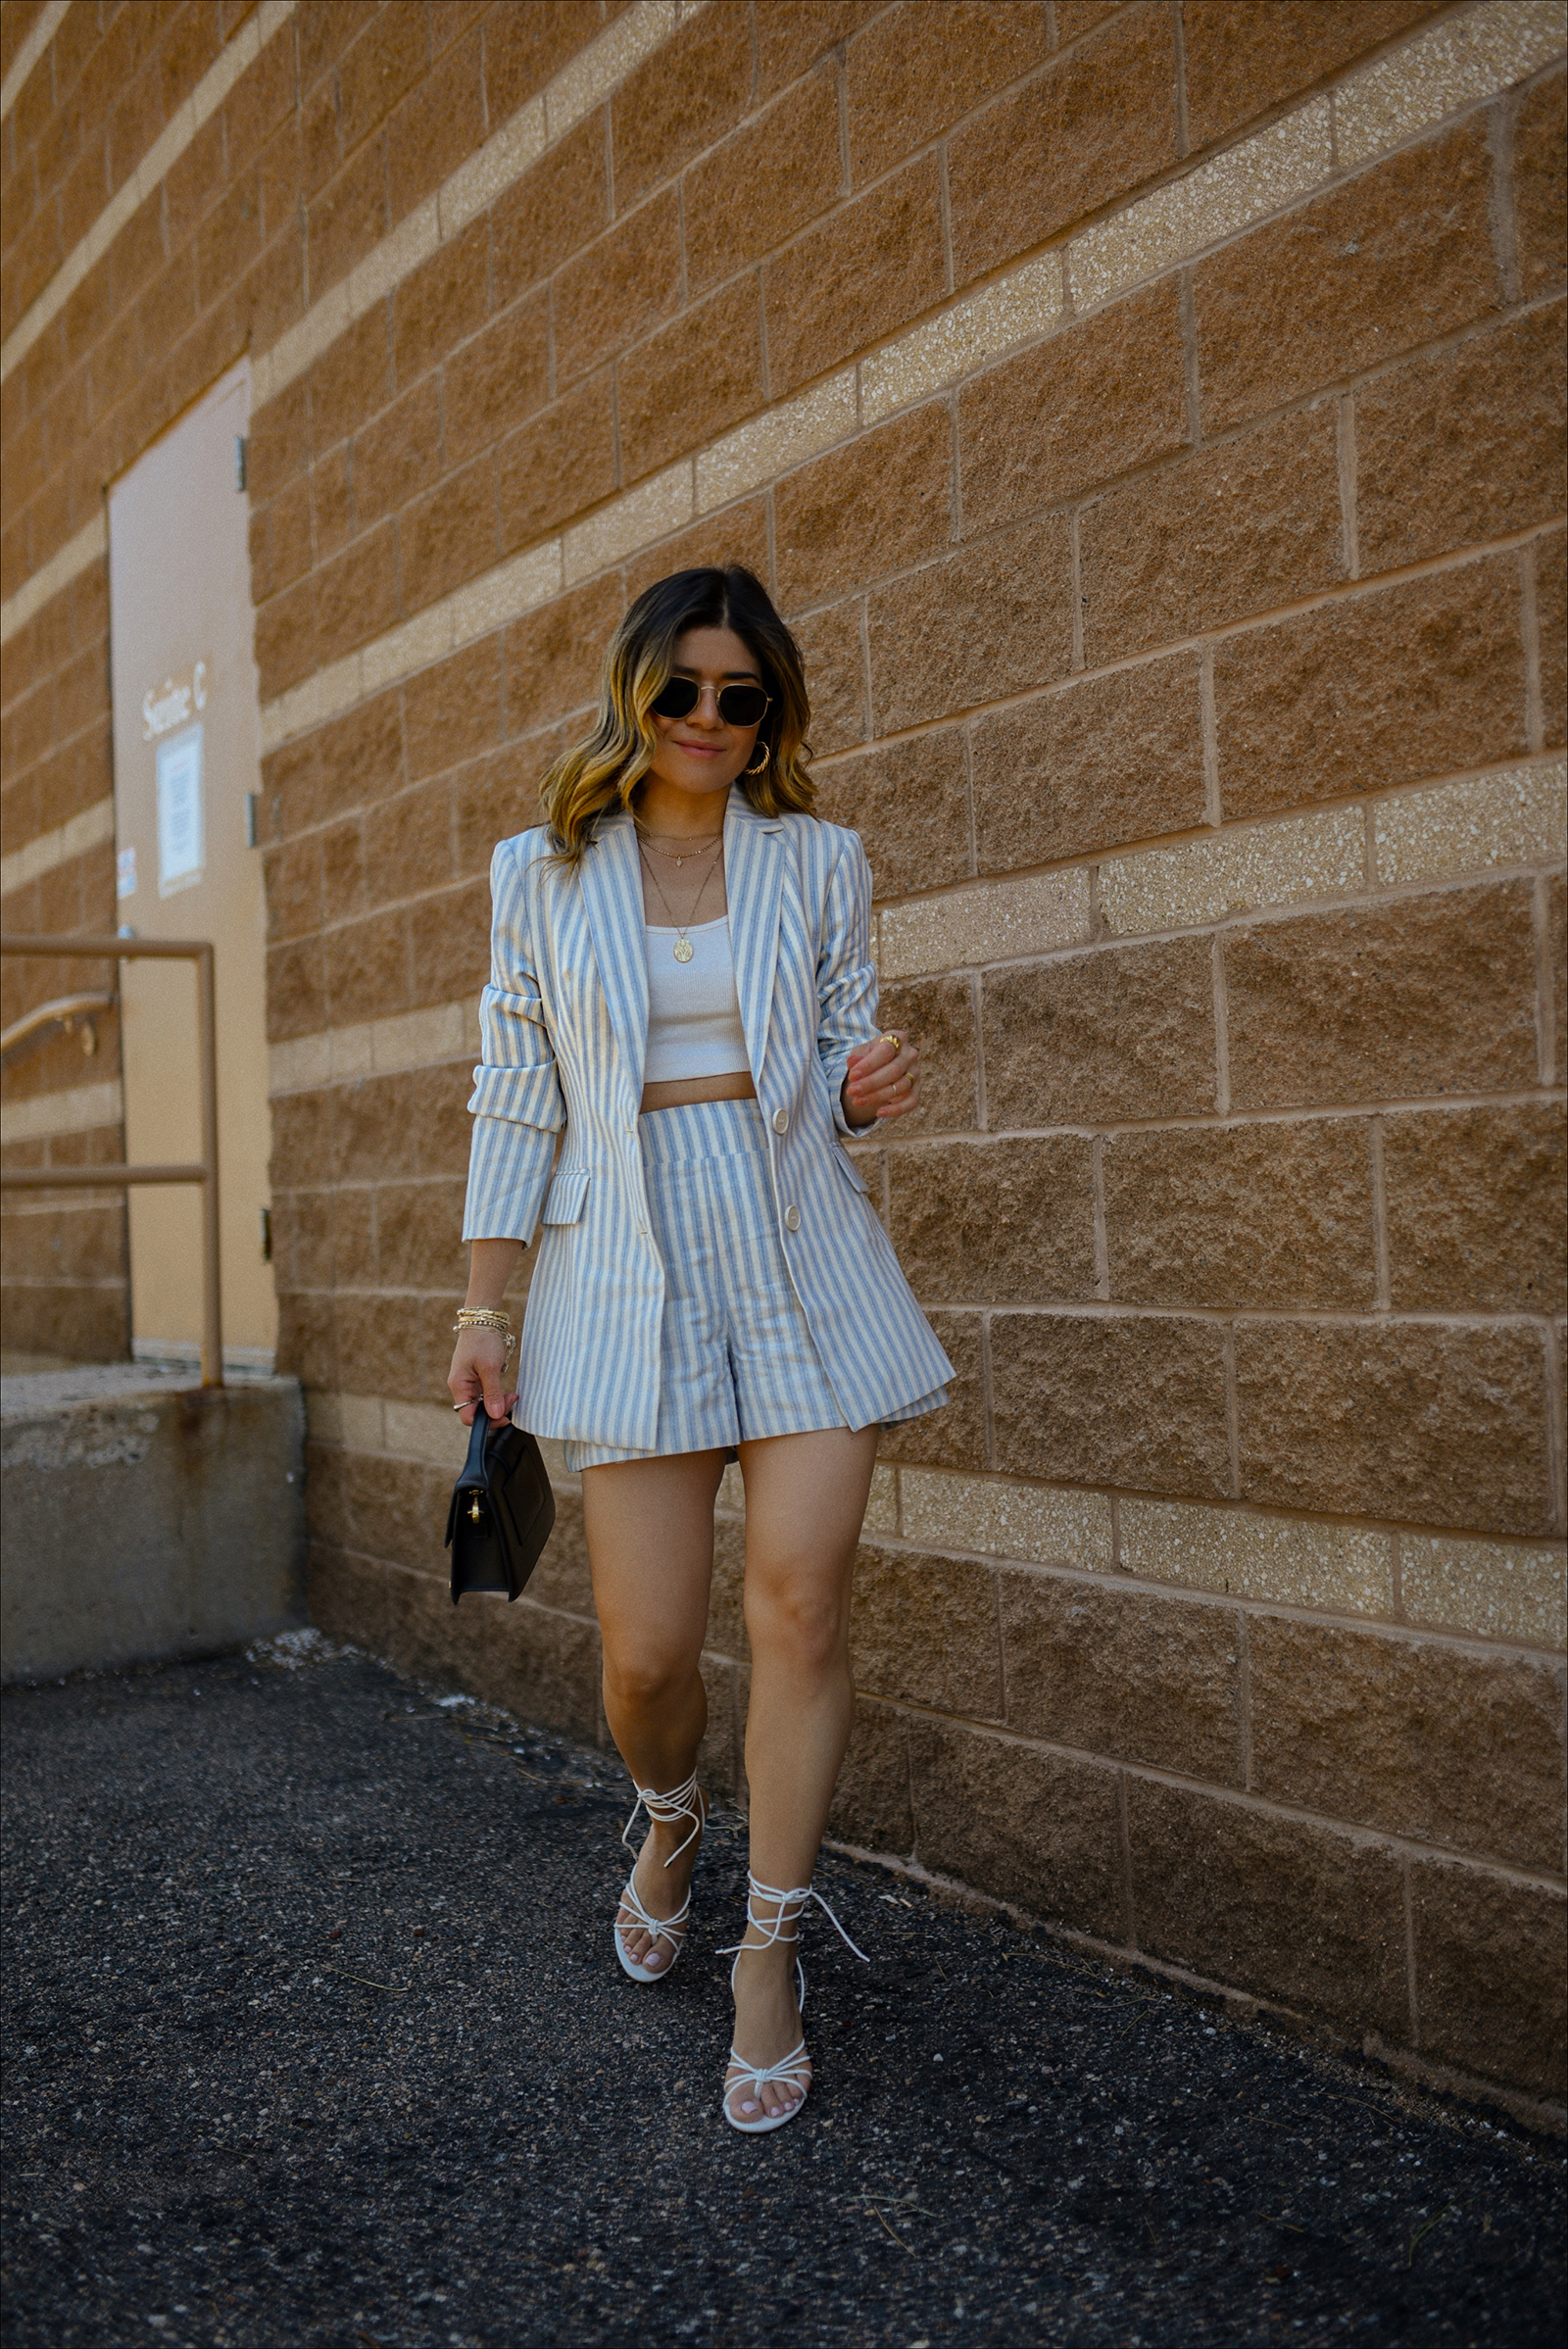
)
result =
(564, 1201)
(851, 1171)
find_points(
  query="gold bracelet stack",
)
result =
(483, 1317)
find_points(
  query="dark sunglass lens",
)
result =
(742, 704)
(678, 698)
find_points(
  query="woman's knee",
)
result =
(798, 1620)
(645, 1679)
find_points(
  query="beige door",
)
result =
(185, 728)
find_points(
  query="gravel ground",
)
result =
(314, 2036)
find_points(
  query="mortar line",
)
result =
(1554, 1428)
(1213, 807)
(1075, 589)
(1380, 1217)
(868, 711)
(976, 1014)
(766, 355)
(966, 744)
(1101, 1248)
(1222, 1034)
(1502, 196)
(1233, 1429)
(1244, 1653)
(1179, 48)
(956, 470)
(987, 1403)
(945, 221)
(1530, 624)
(1124, 1825)
(1547, 1041)
(1345, 466)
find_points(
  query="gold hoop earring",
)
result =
(761, 763)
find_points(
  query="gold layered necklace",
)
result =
(678, 856)
(683, 948)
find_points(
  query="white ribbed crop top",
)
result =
(694, 1014)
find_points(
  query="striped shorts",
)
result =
(736, 1357)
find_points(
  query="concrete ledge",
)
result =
(146, 1517)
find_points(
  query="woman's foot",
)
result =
(662, 1890)
(768, 2035)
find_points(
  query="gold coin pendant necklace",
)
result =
(683, 949)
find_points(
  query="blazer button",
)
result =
(792, 1220)
(781, 1121)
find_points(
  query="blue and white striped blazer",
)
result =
(564, 1028)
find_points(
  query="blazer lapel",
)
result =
(754, 877)
(613, 893)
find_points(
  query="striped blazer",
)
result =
(564, 1029)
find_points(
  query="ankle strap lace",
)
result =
(682, 1802)
(789, 1908)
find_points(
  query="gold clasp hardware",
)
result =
(473, 1508)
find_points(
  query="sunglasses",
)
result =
(738, 704)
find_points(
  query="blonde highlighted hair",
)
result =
(603, 771)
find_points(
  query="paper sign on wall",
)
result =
(179, 811)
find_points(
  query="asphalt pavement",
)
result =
(313, 2035)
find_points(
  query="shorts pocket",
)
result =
(564, 1201)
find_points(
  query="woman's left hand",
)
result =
(883, 1081)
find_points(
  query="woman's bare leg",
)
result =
(806, 1499)
(650, 1529)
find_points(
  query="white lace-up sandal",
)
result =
(793, 2072)
(685, 1802)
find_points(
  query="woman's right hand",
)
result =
(478, 1374)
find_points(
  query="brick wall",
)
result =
(1150, 417)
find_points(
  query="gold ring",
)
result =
(888, 1037)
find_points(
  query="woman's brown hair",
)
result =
(604, 770)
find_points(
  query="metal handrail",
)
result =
(121, 1177)
(66, 1008)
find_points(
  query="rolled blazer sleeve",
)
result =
(516, 1103)
(846, 976)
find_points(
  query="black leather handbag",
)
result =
(502, 1510)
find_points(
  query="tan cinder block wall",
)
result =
(1150, 417)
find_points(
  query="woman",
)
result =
(682, 987)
